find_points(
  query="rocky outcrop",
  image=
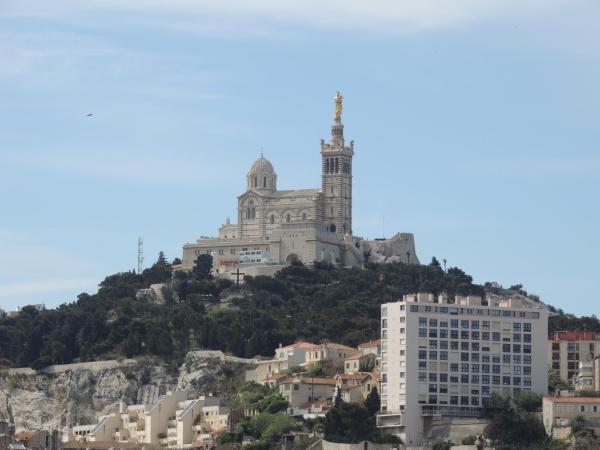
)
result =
(80, 393)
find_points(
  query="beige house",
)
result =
(355, 387)
(301, 391)
(359, 361)
(560, 411)
(371, 347)
(331, 353)
(294, 355)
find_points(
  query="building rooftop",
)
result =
(311, 380)
(26, 435)
(370, 344)
(574, 399)
(574, 336)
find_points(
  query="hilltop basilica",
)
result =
(276, 227)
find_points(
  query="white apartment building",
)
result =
(440, 359)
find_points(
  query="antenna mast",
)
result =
(140, 255)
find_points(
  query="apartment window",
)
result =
(485, 335)
(464, 335)
(453, 345)
(527, 349)
(516, 370)
(422, 376)
(526, 338)
(443, 324)
(422, 365)
(485, 358)
(422, 332)
(444, 345)
(526, 359)
(432, 354)
(433, 344)
(453, 367)
(443, 334)
(475, 368)
(516, 348)
(464, 378)
(443, 377)
(464, 400)
(555, 346)
(505, 359)
(422, 354)
(495, 379)
(527, 327)
(464, 346)
(454, 399)
(464, 356)
(443, 356)
(475, 357)
(433, 322)
(581, 408)
(526, 370)
(433, 388)
(432, 377)
(505, 381)
(475, 346)
(475, 335)
(422, 321)
(516, 337)
(453, 334)
(496, 359)
(464, 324)
(517, 326)
(485, 379)
(453, 323)
(516, 359)
(485, 324)
(495, 336)
(464, 367)
(595, 408)
(432, 333)
(485, 368)
(495, 369)
(475, 324)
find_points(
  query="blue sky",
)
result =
(475, 125)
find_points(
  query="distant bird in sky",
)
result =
(89, 115)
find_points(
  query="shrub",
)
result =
(469, 440)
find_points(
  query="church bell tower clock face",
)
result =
(336, 177)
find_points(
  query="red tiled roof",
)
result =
(302, 345)
(574, 399)
(370, 344)
(353, 376)
(357, 355)
(574, 336)
(26, 435)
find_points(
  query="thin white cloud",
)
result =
(260, 16)
(44, 286)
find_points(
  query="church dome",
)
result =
(262, 165)
(262, 176)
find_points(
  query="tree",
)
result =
(203, 268)
(348, 422)
(372, 402)
(529, 401)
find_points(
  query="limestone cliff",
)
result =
(64, 396)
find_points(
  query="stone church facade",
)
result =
(276, 227)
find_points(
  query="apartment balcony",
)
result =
(390, 419)
(172, 432)
(450, 411)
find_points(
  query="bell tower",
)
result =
(336, 177)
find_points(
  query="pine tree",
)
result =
(372, 402)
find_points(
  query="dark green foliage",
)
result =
(507, 427)
(203, 267)
(469, 440)
(372, 402)
(529, 401)
(442, 445)
(348, 422)
(316, 303)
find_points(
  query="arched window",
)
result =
(288, 218)
(272, 219)
(337, 165)
(265, 182)
(303, 216)
(255, 182)
(332, 227)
